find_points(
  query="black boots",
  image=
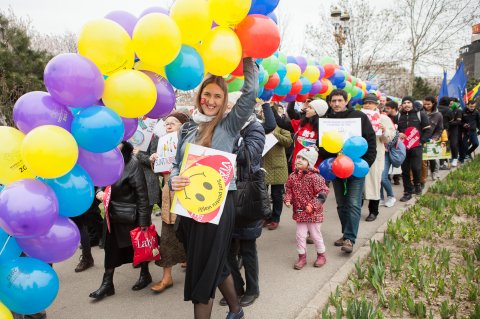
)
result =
(145, 278)
(106, 288)
(86, 261)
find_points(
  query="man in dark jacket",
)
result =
(470, 125)
(414, 127)
(444, 108)
(454, 132)
(348, 193)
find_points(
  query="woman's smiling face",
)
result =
(212, 99)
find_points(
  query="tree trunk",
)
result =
(411, 79)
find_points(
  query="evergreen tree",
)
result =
(421, 89)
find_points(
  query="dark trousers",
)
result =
(413, 162)
(373, 206)
(248, 251)
(84, 236)
(469, 144)
(454, 139)
(277, 201)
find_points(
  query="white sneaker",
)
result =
(382, 203)
(390, 201)
(435, 176)
(454, 162)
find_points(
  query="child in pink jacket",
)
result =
(307, 191)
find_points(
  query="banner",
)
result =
(142, 137)
(436, 150)
(347, 127)
(210, 173)
(166, 150)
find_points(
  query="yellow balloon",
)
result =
(332, 141)
(50, 151)
(142, 66)
(156, 39)
(107, 45)
(221, 51)
(4, 312)
(229, 13)
(130, 93)
(293, 72)
(12, 167)
(312, 73)
(193, 19)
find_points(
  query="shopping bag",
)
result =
(145, 245)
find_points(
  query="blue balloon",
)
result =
(273, 16)
(1, 187)
(276, 54)
(261, 73)
(355, 147)
(260, 91)
(11, 250)
(341, 85)
(267, 95)
(306, 85)
(369, 85)
(263, 6)
(338, 77)
(98, 129)
(187, 70)
(292, 59)
(281, 71)
(325, 169)
(76, 110)
(27, 285)
(284, 87)
(74, 190)
(361, 168)
(259, 61)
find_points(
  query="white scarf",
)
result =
(200, 118)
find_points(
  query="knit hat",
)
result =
(370, 97)
(310, 154)
(320, 107)
(182, 117)
(407, 98)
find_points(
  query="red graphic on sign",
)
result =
(413, 137)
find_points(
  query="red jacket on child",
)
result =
(302, 188)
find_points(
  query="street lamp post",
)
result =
(340, 20)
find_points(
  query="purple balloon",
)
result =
(130, 126)
(123, 18)
(104, 168)
(28, 208)
(154, 10)
(322, 72)
(290, 98)
(291, 59)
(302, 63)
(316, 87)
(165, 96)
(58, 244)
(73, 80)
(38, 108)
(214, 25)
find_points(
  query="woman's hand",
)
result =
(180, 182)
(153, 158)
(402, 136)
(100, 195)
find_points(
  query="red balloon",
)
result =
(359, 84)
(239, 70)
(272, 82)
(296, 88)
(278, 98)
(259, 36)
(329, 70)
(324, 88)
(343, 166)
(302, 97)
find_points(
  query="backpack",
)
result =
(396, 151)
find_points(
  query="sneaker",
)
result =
(390, 201)
(406, 197)
(347, 246)
(454, 162)
(444, 167)
(238, 315)
(435, 176)
(382, 203)
(467, 158)
(339, 242)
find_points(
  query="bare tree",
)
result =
(284, 19)
(319, 40)
(55, 44)
(434, 30)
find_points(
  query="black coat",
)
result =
(470, 120)
(131, 188)
(417, 119)
(447, 115)
(153, 183)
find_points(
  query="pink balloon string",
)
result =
(5, 245)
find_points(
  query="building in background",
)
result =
(470, 54)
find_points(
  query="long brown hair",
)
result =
(206, 129)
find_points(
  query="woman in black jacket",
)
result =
(131, 188)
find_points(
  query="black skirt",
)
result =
(117, 250)
(206, 246)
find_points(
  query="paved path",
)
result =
(284, 292)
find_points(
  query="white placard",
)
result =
(270, 141)
(347, 127)
(167, 149)
(142, 137)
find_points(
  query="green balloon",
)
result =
(235, 85)
(311, 61)
(354, 80)
(270, 64)
(348, 88)
(327, 60)
(265, 77)
(282, 58)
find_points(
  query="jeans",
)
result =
(386, 184)
(315, 233)
(413, 162)
(473, 138)
(349, 204)
(248, 251)
(277, 201)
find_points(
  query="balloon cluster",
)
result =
(348, 162)
(66, 139)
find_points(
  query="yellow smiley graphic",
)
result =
(205, 192)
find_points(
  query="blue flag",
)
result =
(458, 85)
(443, 89)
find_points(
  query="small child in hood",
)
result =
(307, 191)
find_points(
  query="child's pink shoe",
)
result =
(321, 260)
(301, 262)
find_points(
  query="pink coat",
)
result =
(302, 188)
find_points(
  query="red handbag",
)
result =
(145, 245)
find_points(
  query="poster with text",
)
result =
(374, 118)
(166, 150)
(210, 172)
(436, 150)
(142, 137)
(347, 127)
(412, 137)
